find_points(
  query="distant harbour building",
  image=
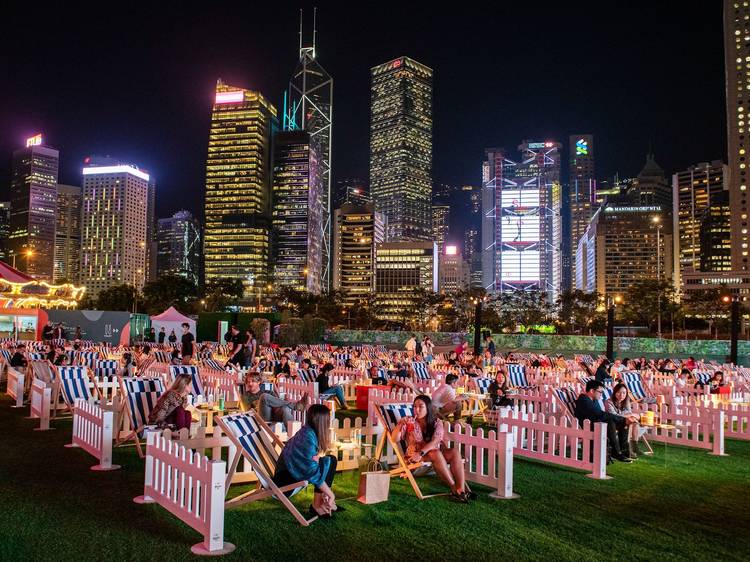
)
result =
(68, 233)
(179, 246)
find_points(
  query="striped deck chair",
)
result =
(633, 381)
(213, 364)
(74, 383)
(517, 376)
(256, 442)
(196, 386)
(307, 375)
(389, 415)
(421, 372)
(566, 397)
(88, 358)
(161, 356)
(141, 396)
(35, 356)
(702, 377)
(483, 384)
(106, 368)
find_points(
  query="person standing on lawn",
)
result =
(187, 344)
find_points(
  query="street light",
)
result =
(657, 222)
(477, 322)
(734, 328)
(613, 302)
(28, 253)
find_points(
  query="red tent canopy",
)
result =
(7, 273)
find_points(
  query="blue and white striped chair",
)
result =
(633, 381)
(161, 356)
(106, 368)
(74, 383)
(566, 397)
(142, 395)
(256, 442)
(88, 358)
(307, 375)
(213, 364)
(483, 384)
(421, 371)
(702, 377)
(517, 376)
(196, 386)
(35, 356)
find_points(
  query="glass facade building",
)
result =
(68, 233)
(4, 229)
(401, 147)
(581, 197)
(402, 270)
(178, 243)
(238, 185)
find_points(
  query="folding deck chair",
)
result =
(196, 385)
(389, 415)
(73, 383)
(638, 392)
(213, 364)
(566, 397)
(307, 375)
(517, 376)
(421, 372)
(256, 442)
(141, 396)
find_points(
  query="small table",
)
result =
(363, 396)
(207, 415)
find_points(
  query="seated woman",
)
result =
(499, 390)
(716, 383)
(619, 404)
(303, 458)
(174, 357)
(170, 408)
(324, 389)
(423, 434)
(127, 366)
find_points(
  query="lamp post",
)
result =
(139, 271)
(734, 328)
(657, 222)
(477, 322)
(614, 301)
(28, 253)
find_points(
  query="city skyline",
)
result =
(162, 120)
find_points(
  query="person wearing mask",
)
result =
(170, 407)
(162, 335)
(587, 408)
(324, 389)
(172, 337)
(304, 458)
(18, 360)
(423, 434)
(187, 344)
(267, 403)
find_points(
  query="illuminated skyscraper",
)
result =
(453, 271)
(651, 186)
(521, 219)
(440, 225)
(33, 193)
(715, 235)
(4, 229)
(403, 270)
(581, 197)
(310, 108)
(68, 233)
(358, 229)
(114, 224)
(737, 69)
(351, 190)
(238, 185)
(401, 147)
(297, 212)
(178, 241)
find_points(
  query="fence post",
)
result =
(213, 534)
(600, 453)
(504, 467)
(718, 433)
(19, 388)
(76, 423)
(107, 427)
(149, 472)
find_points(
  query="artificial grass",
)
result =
(693, 506)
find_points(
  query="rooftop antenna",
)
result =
(300, 33)
(315, 30)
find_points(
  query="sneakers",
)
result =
(622, 458)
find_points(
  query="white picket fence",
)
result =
(689, 426)
(93, 431)
(559, 442)
(15, 388)
(190, 487)
(40, 398)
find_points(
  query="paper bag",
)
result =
(374, 486)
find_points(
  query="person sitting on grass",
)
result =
(619, 404)
(304, 458)
(587, 408)
(499, 390)
(267, 403)
(423, 434)
(170, 408)
(325, 390)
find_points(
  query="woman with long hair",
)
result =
(304, 458)
(717, 382)
(498, 390)
(619, 404)
(170, 408)
(423, 434)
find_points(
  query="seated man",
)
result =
(267, 403)
(588, 408)
(445, 401)
(19, 357)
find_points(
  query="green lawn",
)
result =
(691, 506)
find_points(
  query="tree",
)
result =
(170, 290)
(522, 308)
(220, 294)
(705, 304)
(578, 310)
(645, 298)
(118, 297)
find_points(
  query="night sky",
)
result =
(138, 84)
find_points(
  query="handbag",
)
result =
(374, 483)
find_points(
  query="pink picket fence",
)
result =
(688, 426)
(93, 431)
(559, 442)
(16, 381)
(190, 487)
(377, 397)
(40, 398)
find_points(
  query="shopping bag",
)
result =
(374, 483)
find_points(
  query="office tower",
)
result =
(238, 185)
(178, 250)
(453, 271)
(68, 234)
(737, 70)
(625, 244)
(440, 224)
(401, 147)
(351, 190)
(357, 230)
(151, 242)
(521, 219)
(114, 224)
(716, 235)
(442, 192)
(693, 191)
(581, 198)
(473, 253)
(33, 202)
(403, 270)
(310, 108)
(4, 229)
(297, 212)
(475, 199)
(651, 186)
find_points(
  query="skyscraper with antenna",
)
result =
(308, 106)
